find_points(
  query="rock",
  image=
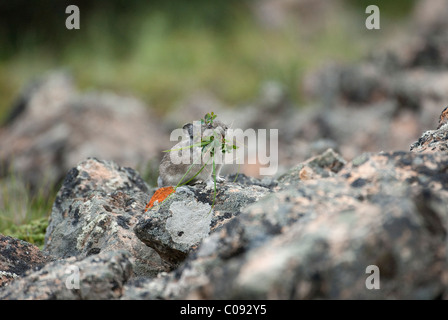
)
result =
(266, 182)
(100, 207)
(434, 140)
(324, 165)
(52, 127)
(431, 15)
(177, 226)
(17, 257)
(301, 237)
(388, 98)
(327, 258)
(314, 238)
(95, 211)
(93, 278)
(386, 108)
(370, 213)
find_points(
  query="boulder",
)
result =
(177, 226)
(17, 257)
(316, 233)
(317, 238)
(434, 140)
(97, 277)
(101, 207)
(387, 210)
(95, 211)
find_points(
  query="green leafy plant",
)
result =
(208, 118)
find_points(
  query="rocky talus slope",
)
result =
(309, 234)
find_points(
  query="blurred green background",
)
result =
(162, 51)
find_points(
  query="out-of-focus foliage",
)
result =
(165, 50)
(24, 22)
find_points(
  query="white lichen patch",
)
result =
(92, 227)
(190, 221)
(95, 225)
(8, 274)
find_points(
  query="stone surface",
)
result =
(324, 165)
(387, 210)
(95, 211)
(304, 237)
(315, 238)
(178, 225)
(434, 140)
(98, 277)
(17, 257)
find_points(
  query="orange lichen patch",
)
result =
(160, 195)
(306, 173)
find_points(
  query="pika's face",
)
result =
(216, 128)
(443, 118)
(197, 130)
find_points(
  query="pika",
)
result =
(443, 119)
(171, 172)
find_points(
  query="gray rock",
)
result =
(305, 239)
(315, 239)
(432, 141)
(387, 211)
(17, 257)
(95, 211)
(327, 258)
(321, 166)
(97, 277)
(178, 225)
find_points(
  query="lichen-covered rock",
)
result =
(177, 225)
(298, 239)
(17, 257)
(315, 238)
(434, 140)
(96, 277)
(95, 211)
(321, 166)
(327, 258)
(387, 210)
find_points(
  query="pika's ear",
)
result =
(188, 129)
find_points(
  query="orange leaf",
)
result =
(160, 195)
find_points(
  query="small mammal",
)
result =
(443, 119)
(171, 173)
